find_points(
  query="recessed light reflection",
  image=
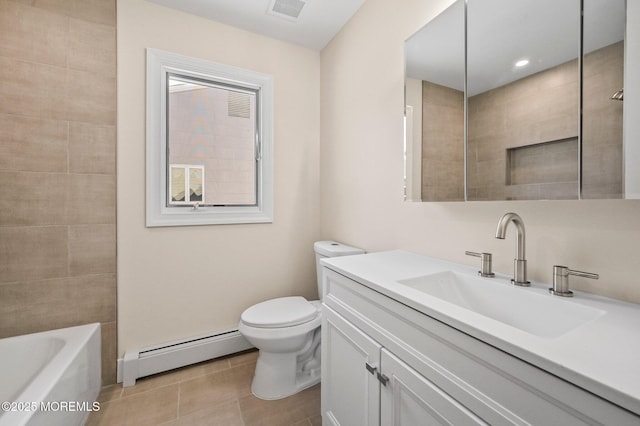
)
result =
(522, 63)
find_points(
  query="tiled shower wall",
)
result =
(442, 143)
(550, 98)
(57, 168)
(602, 123)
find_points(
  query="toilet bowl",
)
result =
(286, 332)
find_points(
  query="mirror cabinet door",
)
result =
(496, 115)
(434, 114)
(523, 99)
(602, 96)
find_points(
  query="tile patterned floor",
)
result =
(216, 392)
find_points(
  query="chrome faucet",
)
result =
(519, 263)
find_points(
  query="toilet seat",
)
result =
(280, 312)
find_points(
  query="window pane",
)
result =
(177, 184)
(196, 184)
(213, 126)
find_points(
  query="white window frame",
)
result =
(159, 212)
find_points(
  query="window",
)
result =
(209, 142)
(186, 184)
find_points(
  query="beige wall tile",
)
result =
(92, 148)
(32, 144)
(92, 47)
(543, 108)
(92, 249)
(31, 253)
(559, 190)
(602, 123)
(489, 148)
(57, 303)
(56, 199)
(24, 2)
(522, 192)
(533, 110)
(90, 97)
(32, 89)
(442, 143)
(91, 199)
(33, 198)
(544, 163)
(109, 355)
(100, 11)
(95, 300)
(32, 34)
(39, 41)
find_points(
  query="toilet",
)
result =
(286, 331)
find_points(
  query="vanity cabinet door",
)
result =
(409, 399)
(350, 362)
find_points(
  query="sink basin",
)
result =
(541, 315)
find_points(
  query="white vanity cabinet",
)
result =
(364, 384)
(384, 363)
(350, 389)
(408, 398)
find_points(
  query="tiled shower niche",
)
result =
(549, 169)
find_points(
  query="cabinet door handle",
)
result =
(383, 379)
(371, 368)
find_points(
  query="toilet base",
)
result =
(275, 378)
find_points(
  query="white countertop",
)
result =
(601, 356)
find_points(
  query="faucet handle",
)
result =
(561, 280)
(486, 263)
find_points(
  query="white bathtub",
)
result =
(50, 378)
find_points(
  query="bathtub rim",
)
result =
(75, 338)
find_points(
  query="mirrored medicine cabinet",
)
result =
(517, 100)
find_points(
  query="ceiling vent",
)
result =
(287, 9)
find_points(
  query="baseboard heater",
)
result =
(167, 356)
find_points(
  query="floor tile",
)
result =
(284, 412)
(316, 420)
(216, 393)
(109, 393)
(147, 408)
(226, 385)
(226, 414)
(248, 357)
(176, 376)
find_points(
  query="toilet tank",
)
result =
(330, 249)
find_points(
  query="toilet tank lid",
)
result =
(334, 249)
(280, 312)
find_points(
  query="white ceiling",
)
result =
(318, 22)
